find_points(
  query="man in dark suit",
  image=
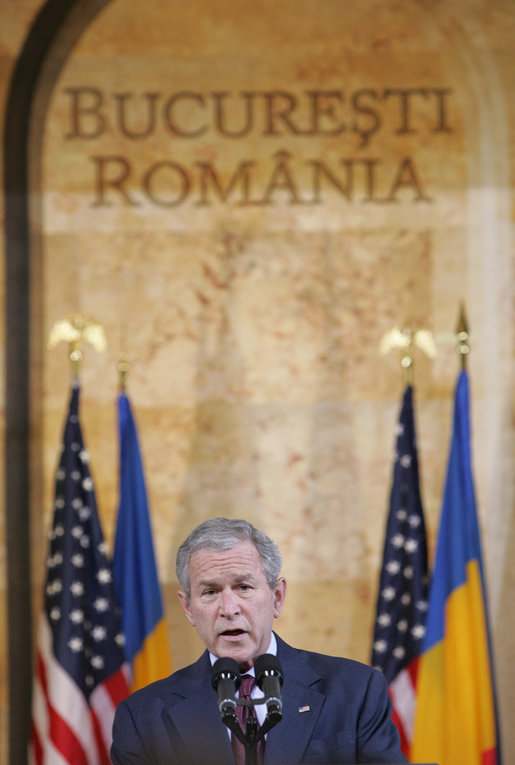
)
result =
(335, 710)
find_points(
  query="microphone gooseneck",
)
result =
(269, 677)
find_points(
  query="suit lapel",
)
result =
(197, 720)
(302, 704)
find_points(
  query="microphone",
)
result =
(225, 679)
(269, 677)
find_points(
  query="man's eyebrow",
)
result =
(248, 577)
(208, 583)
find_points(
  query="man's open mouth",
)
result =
(233, 633)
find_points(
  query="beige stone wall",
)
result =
(251, 277)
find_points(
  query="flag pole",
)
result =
(123, 370)
(123, 362)
(76, 329)
(462, 334)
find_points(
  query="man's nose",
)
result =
(229, 605)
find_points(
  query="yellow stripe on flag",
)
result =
(482, 671)
(153, 661)
(455, 716)
(427, 742)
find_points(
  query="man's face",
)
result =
(231, 604)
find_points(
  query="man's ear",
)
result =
(183, 600)
(279, 595)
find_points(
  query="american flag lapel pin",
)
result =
(305, 708)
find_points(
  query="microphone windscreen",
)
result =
(265, 664)
(225, 666)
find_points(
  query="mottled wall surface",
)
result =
(247, 197)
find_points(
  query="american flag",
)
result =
(80, 674)
(402, 596)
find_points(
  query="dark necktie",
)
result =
(242, 713)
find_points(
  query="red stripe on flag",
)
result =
(489, 757)
(412, 669)
(101, 744)
(103, 702)
(65, 740)
(400, 727)
(59, 732)
(37, 749)
(402, 694)
(117, 686)
(42, 674)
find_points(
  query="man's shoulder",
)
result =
(177, 685)
(324, 664)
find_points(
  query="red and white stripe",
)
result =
(404, 698)
(65, 729)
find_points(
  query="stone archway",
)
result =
(55, 31)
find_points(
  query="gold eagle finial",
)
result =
(75, 330)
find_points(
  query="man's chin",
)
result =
(240, 649)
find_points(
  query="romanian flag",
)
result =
(455, 721)
(134, 564)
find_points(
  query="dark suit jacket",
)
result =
(335, 711)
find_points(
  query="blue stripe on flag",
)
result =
(134, 564)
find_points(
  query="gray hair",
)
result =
(218, 534)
